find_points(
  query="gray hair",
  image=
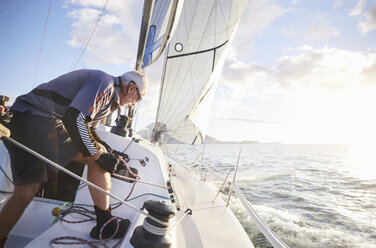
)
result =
(140, 79)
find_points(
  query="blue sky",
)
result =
(298, 71)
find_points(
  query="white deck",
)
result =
(211, 225)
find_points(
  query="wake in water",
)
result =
(309, 195)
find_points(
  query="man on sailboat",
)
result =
(58, 120)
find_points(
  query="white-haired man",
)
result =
(58, 120)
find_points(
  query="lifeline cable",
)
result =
(1, 168)
(81, 179)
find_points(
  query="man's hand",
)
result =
(121, 154)
(3, 130)
(110, 162)
(97, 155)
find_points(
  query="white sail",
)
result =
(163, 20)
(194, 60)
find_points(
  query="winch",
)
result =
(122, 126)
(153, 234)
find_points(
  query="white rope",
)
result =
(164, 230)
(178, 221)
(161, 231)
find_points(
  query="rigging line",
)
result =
(88, 39)
(1, 168)
(41, 44)
(57, 166)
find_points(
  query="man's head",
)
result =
(134, 86)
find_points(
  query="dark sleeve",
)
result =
(98, 139)
(75, 122)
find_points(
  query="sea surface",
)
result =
(309, 195)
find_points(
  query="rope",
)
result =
(161, 231)
(90, 216)
(73, 66)
(130, 143)
(80, 178)
(188, 211)
(112, 204)
(1, 168)
(41, 44)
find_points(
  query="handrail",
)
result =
(262, 226)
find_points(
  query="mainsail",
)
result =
(193, 62)
(159, 19)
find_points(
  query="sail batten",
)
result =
(193, 63)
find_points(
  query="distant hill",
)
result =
(212, 140)
(208, 139)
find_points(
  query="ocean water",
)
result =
(309, 195)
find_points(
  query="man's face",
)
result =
(129, 94)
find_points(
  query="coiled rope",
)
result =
(90, 216)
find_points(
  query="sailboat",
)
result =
(167, 202)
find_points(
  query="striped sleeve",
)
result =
(84, 134)
(75, 122)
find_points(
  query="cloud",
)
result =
(369, 74)
(257, 16)
(366, 18)
(116, 37)
(320, 32)
(324, 68)
(358, 9)
(328, 68)
(338, 3)
(368, 22)
(304, 48)
(317, 28)
(317, 95)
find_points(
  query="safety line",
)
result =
(82, 179)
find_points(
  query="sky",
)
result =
(299, 71)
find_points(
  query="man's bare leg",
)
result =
(99, 177)
(15, 206)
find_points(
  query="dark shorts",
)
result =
(45, 136)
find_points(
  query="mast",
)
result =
(145, 24)
(152, 11)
